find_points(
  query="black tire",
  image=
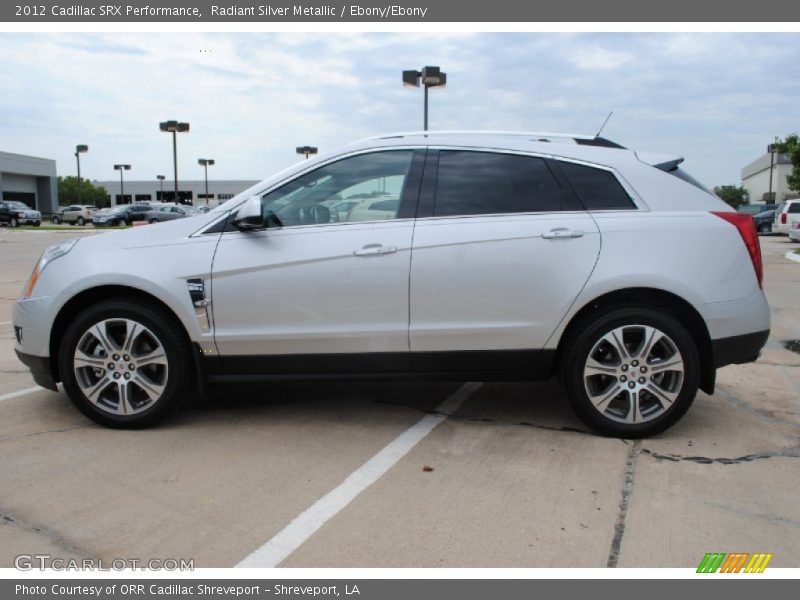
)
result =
(81, 221)
(584, 340)
(55, 220)
(37, 224)
(153, 221)
(765, 228)
(14, 222)
(180, 376)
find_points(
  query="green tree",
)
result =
(791, 145)
(90, 193)
(732, 194)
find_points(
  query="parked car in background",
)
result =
(755, 209)
(786, 215)
(123, 214)
(534, 255)
(75, 214)
(6, 216)
(204, 208)
(22, 214)
(764, 221)
(794, 232)
(170, 212)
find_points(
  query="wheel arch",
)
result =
(671, 303)
(97, 294)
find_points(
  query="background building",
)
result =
(29, 179)
(755, 179)
(189, 192)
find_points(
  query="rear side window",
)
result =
(794, 207)
(484, 183)
(598, 189)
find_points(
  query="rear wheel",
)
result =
(81, 221)
(55, 220)
(153, 221)
(632, 372)
(765, 228)
(125, 364)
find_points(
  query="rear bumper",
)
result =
(40, 369)
(739, 348)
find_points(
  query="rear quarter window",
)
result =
(597, 188)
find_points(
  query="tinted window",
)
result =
(598, 189)
(794, 208)
(478, 183)
(322, 195)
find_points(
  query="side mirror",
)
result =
(250, 216)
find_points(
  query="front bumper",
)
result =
(40, 369)
(29, 220)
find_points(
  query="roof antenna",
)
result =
(597, 135)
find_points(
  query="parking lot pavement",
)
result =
(508, 478)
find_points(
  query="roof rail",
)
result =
(579, 138)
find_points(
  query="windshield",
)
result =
(16, 204)
(681, 174)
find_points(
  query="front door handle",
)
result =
(562, 233)
(375, 250)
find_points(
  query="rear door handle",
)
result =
(561, 233)
(375, 250)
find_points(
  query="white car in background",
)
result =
(786, 215)
(794, 232)
(500, 257)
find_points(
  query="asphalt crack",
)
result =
(52, 535)
(11, 438)
(788, 452)
(624, 502)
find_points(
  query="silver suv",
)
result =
(461, 256)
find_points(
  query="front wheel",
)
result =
(765, 228)
(632, 372)
(55, 220)
(125, 364)
(14, 222)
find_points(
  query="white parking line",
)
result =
(291, 537)
(20, 393)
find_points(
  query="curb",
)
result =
(792, 256)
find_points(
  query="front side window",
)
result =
(478, 183)
(367, 187)
(597, 188)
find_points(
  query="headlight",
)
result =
(49, 255)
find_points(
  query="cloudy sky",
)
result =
(717, 99)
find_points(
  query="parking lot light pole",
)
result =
(771, 150)
(429, 77)
(122, 168)
(79, 149)
(205, 162)
(307, 150)
(161, 181)
(174, 127)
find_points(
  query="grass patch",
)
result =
(797, 252)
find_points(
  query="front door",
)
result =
(324, 287)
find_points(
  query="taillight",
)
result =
(783, 219)
(746, 226)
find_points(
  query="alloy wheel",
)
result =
(633, 374)
(121, 366)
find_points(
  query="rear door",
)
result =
(502, 247)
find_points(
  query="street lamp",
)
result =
(122, 168)
(174, 127)
(80, 148)
(205, 162)
(161, 181)
(429, 77)
(307, 150)
(771, 149)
